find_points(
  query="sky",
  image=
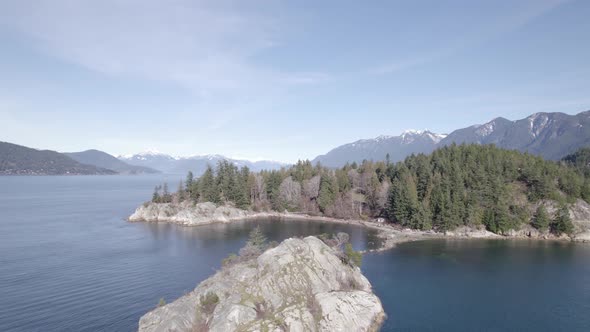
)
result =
(279, 80)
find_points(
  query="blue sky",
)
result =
(279, 80)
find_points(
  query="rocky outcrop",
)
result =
(579, 213)
(189, 214)
(300, 285)
(471, 232)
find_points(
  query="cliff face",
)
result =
(300, 285)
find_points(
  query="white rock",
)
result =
(301, 285)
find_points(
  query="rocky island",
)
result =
(299, 285)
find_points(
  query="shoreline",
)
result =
(391, 235)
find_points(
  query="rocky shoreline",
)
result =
(189, 214)
(299, 285)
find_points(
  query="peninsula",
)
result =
(467, 190)
(299, 285)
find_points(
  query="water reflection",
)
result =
(275, 229)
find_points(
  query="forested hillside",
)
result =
(105, 160)
(21, 160)
(454, 186)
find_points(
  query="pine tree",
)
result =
(156, 195)
(541, 220)
(241, 198)
(489, 220)
(562, 222)
(189, 182)
(328, 192)
(355, 257)
(257, 238)
(208, 187)
(273, 182)
(165, 191)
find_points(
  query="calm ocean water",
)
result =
(69, 262)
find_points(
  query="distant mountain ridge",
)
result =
(20, 160)
(550, 135)
(105, 160)
(196, 164)
(398, 147)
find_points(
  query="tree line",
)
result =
(453, 186)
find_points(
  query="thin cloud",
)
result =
(203, 46)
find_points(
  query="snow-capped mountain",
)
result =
(196, 164)
(410, 135)
(145, 155)
(550, 135)
(398, 147)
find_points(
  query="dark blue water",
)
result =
(69, 262)
(483, 285)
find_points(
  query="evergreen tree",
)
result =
(273, 182)
(242, 200)
(156, 195)
(189, 182)
(353, 256)
(403, 199)
(541, 220)
(328, 192)
(208, 187)
(166, 197)
(562, 222)
(489, 220)
(165, 191)
(257, 238)
(343, 180)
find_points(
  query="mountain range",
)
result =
(550, 135)
(196, 164)
(20, 160)
(398, 148)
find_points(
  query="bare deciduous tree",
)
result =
(355, 178)
(257, 192)
(311, 187)
(290, 192)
